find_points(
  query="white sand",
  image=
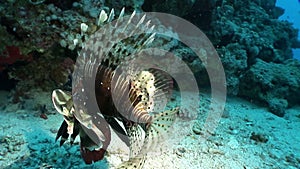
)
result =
(27, 141)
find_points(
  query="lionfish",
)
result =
(139, 125)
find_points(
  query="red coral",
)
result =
(11, 55)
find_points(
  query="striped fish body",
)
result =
(103, 92)
(140, 137)
(123, 97)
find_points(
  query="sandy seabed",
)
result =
(247, 137)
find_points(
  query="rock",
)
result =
(292, 159)
(275, 85)
(233, 143)
(259, 137)
(35, 147)
(180, 151)
(253, 51)
(3, 150)
(216, 151)
(235, 132)
(234, 59)
(278, 106)
(197, 129)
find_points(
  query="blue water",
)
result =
(292, 14)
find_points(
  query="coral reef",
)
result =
(130, 5)
(277, 85)
(242, 32)
(245, 34)
(257, 34)
(254, 34)
(175, 7)
(39, 73)
(40, 40)
(10, 56)
(31, 33)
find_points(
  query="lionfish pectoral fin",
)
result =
(62, 102)
(76, 130)
(119, 130)
(163, 84)
(63, 133)
(154, 88)
(128, 100)
(143, 86)
(133, 163)
(164, 120)
(136, 136)
(159, 129)
(142, 142)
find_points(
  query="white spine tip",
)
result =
(102, 17)
(83, 27)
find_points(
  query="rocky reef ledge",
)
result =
(254, 46)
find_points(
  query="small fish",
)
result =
(141, 124)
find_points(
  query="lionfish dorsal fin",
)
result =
(111, 15)
(120, 16)
(118, 42)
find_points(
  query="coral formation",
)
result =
(11, 55)
(241, 31)
(43, 75)
(255, 33)
(275, 84)
(175, 7)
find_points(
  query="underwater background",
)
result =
(291, 14)
(256, 41)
